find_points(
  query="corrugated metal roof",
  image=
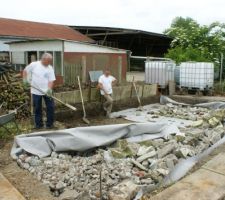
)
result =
(19, 28)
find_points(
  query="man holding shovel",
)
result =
(40, 76)
(105, 84)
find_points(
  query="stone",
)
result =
(145, 149)
(139, 165)
(126, 190)
(122, 150)
(60, 185)
(183, 152)
(166, 150)
(134, 147)
(26, 166)
(155, 176)
(48, 163)
(213, 122)
(147, 181)
(163, 172)
(214, 137)
(116, 153)
(146, 156)
(69, 195)
(145, 163)
(197, 123)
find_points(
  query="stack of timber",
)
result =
(12, 93)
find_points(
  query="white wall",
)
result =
(88, 48)
(36, 46)
(18, 57)
(5, 47)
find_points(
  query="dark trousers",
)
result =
(37, 103)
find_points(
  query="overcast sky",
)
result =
(150, 15)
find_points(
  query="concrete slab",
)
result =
(201, 185)
(7, 191)
(217, 164)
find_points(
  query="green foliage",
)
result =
(180, 54)
(24, 127)
(193, 42)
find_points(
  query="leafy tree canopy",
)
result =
(195, 42)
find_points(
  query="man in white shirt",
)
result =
(40, 75)
(105, 84)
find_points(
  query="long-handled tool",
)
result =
(138, 98)
(82, 101)
(65, 104)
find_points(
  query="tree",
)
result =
(193, 42)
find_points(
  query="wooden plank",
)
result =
(7, 191)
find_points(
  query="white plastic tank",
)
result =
(197, 75)
(159, 72)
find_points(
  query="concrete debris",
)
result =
(183, 152)
(69, 195)
(126, 166)
(139, 165)
(167, 149)
(126, 190)
(144, 149)
(197, 123)
(213, 122)
(146, 156)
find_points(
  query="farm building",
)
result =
(71, 58)
(19, 30)
(140, 43)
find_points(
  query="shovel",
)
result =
(82, 101)
(65, 104)
(138, 98)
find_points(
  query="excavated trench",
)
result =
(124, 167)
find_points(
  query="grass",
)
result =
(219, 88)
(24, 127)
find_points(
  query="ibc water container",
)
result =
(197, 75)
(159, 72)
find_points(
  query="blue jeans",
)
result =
(37, 103)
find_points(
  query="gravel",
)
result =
(126, 166)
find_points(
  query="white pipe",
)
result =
(150, 58)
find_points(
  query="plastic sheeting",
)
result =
(210, 105)
(85, 138)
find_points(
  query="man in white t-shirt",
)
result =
(105, 83)
(40, 75)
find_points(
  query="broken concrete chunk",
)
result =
(213, 122)
(146, 156)
(145, 149)
(134, 147)
(139, 165)
(126, 190)
(214, 137)
(166, 149)
(69, 195)
(163, 172)
(197, 123)
(183, 152)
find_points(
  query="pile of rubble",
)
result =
(119, 171)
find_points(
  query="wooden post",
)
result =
(120, 69)
(84, 69)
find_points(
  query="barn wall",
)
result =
(81, 63)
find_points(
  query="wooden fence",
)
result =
(71, 72)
